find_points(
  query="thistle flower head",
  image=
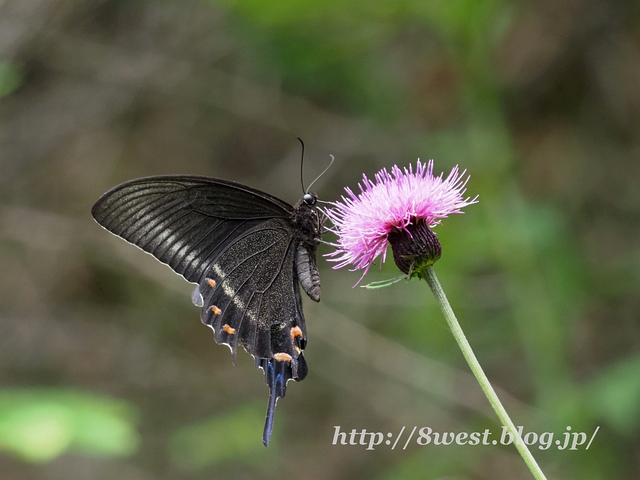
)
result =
(398, 208)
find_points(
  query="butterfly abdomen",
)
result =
(307, 271)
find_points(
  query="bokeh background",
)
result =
(105, 369)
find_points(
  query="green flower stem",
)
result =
(429, 274)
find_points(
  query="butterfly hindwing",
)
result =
(251, 286)
(251, 298)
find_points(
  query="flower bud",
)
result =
(414, 247)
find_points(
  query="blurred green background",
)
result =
(105, 369)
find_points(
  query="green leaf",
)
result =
(38, 425)
(615, 395)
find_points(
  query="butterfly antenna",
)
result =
(323, 172)
(301, 165)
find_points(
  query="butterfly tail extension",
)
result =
(277, 372)
(268, 423)
(276, 375)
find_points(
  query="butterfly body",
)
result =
(248, 251)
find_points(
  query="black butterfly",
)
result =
(246, 250)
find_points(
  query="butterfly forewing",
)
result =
(246, 249)
(183, 220)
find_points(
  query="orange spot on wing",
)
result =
(211, 282)
(230, 330)
(282, 357)
(295, 332)
(215, 310)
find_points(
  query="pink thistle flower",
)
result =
(398, 208)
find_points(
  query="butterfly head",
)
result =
(310, 199)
